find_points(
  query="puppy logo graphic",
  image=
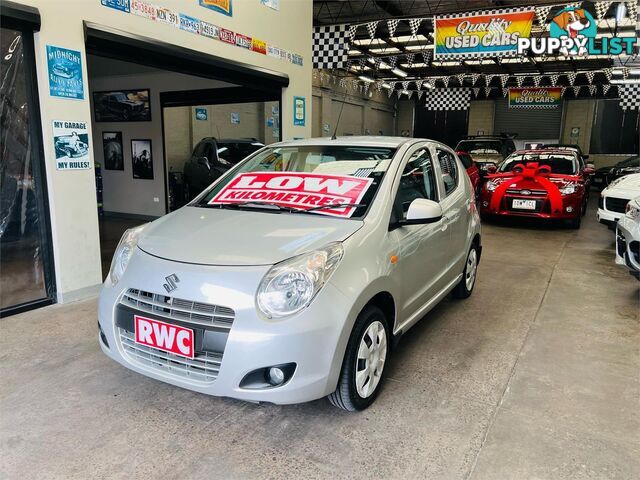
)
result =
(573, 23)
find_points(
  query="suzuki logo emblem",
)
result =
(172, 281)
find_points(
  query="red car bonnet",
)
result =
(531, 172)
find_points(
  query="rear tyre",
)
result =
(464, 289)
(364, 361)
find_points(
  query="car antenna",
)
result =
(335, 130)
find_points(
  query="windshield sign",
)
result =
(296, 190)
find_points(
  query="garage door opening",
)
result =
(151, 104)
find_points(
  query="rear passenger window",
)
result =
(449, 170)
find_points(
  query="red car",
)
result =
(472, 170)
(548, 184)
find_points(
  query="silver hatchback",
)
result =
(289, 278)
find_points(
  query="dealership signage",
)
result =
(71, 144)
(481, 34)
(536, 97)
(65, 72)
(296, 190)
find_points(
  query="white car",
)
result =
(628, 238)
(613, 199)
(291, 276)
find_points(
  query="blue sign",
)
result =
(122, 5)
(235, 118)
(299, 111)
(201, 113)
(65, 73)
(189, 24)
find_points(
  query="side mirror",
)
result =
(204, 161)
(492, 169)
(423, 211)
(590, 165)
(585, 156)
(589, 170)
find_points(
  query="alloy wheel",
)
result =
(472, 267)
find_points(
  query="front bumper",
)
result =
(571, 207)
(312, 339)
(607, 217)
(628, 244)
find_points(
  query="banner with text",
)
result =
(481, 34)
(536, 97)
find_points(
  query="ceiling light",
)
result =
(620, 81)
(384, 50)
(375, 41)
(386, 85)
(364, 78)
(399, 72)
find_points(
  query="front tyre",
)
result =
(464, 288)
(364, 361)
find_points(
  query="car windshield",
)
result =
(559, 163)
(302, 178)
(480, 146)
(233, 152)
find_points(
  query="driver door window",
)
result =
(449, 170)
(417, 181)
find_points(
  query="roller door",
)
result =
(528, 124)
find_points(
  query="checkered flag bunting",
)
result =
(536, 80)
(593, 89)
(448, 99)
(419, 84)
(392, 61)
(487, 92)
(541, 14)
(590, 76)
(504, 78)
(607, 73)
(476, 92)
(414, 25)
(605, 88)
(576, 90)
(505, 92)
(371, 28)
(352, 32)
(460, 78)
(519, 80)
(632, 10)
(330, 46)
(601, 9)
(426, 56)
(410, 57)
(554, 79)
(420, 93)
(572, 77)
(630, 96)
(392, 25)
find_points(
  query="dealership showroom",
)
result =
(300, 239)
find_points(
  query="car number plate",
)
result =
(164, 336)
(524, 204)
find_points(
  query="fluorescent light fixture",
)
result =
(364, 78)
(366, 41)
(354, 52)
(414, 48)
(409, 38)
(429, 86)
(386, 85)
(632, 71)
(399, 72)
(621, 81)
(384, 50)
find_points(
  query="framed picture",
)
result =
(122, 106)
(113, 152)
(141, 159)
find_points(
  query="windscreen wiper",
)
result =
(257, 204)
(336, 205)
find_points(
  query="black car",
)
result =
(211, 158)
(605, 175)
(118, 105)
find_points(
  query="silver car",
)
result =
(291, 276)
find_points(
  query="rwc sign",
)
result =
(481, 34)
(536, 97)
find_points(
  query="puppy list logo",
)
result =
(573, 32)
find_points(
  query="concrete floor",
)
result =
(536, 376)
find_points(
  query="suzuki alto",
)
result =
(291, 276)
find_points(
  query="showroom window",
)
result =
(26, 279)
(623, 139)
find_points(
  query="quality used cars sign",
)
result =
(296, 190)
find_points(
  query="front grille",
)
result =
(204, 367)
(179, 309)
(616, 204)
(537, 193)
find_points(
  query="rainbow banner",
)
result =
(535, 97)
(481, 34)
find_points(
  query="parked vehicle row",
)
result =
(605, 175)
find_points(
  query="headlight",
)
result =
(569, 189)
(491, 186)
(123, 253)
(290, 286)
(633, 210)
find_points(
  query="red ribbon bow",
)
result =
(539, 174)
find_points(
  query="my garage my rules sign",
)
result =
(71, 143)
(481, 34)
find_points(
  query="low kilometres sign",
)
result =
(296, 190)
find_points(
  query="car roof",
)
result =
(232, 140)
(350, 141)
